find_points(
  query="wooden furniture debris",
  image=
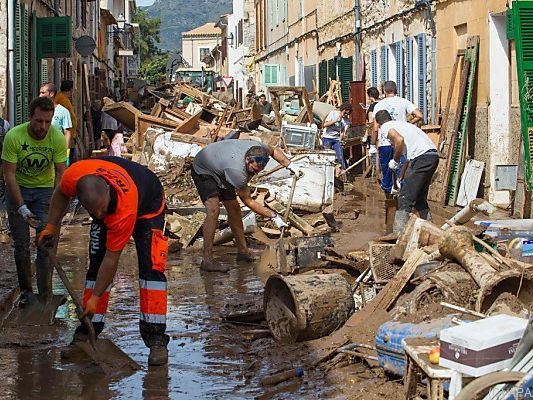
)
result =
(334, 95)
(277, 91)
(417, 357)
(123, 112)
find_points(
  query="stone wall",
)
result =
(3, 58)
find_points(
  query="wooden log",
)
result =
(296, 221)
(457, 244)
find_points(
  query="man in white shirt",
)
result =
(335, 126)
(398, 108)
(423, 160)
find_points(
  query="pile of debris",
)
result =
(184, 119)
(430, 280)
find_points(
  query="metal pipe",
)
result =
(466, 214)
(11, 4)
(357, 41)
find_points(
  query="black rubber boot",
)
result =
(24, 275)
(426, 214)
(158, 356)
(401, 218)
(44, 279)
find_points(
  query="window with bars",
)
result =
(422, 72)
(409, 73)
(373, 68)
(384, 64)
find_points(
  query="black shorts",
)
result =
(208, 187)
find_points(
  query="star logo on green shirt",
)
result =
(25, 146)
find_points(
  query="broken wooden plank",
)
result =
(185, 138)
(295, 220)
(143, 122)
(190, 125)
(328, 345)
(123, 112)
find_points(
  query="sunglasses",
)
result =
(260, 160)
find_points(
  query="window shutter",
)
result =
(398, 49)
(374, 68)
(509, 24)
(322, 77)
(384, 64)
(409, 74)
(422, 71)
(43, 73)
(282, 75)
(21, 64)
(346, 75)
(271, 74)
(332, 69)
(54, 37)
(522, 25)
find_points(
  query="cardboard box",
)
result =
(481, 347)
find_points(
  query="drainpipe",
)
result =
(433, 62)
(11, 61)
(357, 39)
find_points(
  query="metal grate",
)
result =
(382, 269)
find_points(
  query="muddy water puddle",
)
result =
(207, 358)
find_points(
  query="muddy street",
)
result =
(208, 358)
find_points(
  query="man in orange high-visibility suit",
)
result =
(124, 199)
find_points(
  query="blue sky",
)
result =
(145, 2)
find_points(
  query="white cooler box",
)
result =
(481, 347)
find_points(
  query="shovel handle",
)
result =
(75, 299)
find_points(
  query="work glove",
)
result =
(295, 169)
(45, 238)
(28, 216)
(373, 149)
(394, 165)
(278, 221)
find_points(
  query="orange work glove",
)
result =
(90, 307)
(45, 238)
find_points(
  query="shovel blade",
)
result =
(40, 311)
(109, 356)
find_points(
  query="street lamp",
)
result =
(121, 22)
(230, 39)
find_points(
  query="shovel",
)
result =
(273, 259)
(42, 308)
(103, 352)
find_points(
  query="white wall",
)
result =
(236, 52)
(499, 89)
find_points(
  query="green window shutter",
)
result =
(43, 73)
(346, 76)
(332, 69)
(54, 37)
(509, 24)
(322, 77)
(271, 74)
(22, 75)
(522, 23)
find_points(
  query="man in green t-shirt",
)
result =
(34, 156)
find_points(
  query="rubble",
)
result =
(429, 269)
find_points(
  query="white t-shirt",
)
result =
(398, 108)
(415, 139)
(334, 131)
(108, 122)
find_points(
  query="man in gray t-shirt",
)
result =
(221, 171)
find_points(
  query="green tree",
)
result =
(154, 69)
(149, 35)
